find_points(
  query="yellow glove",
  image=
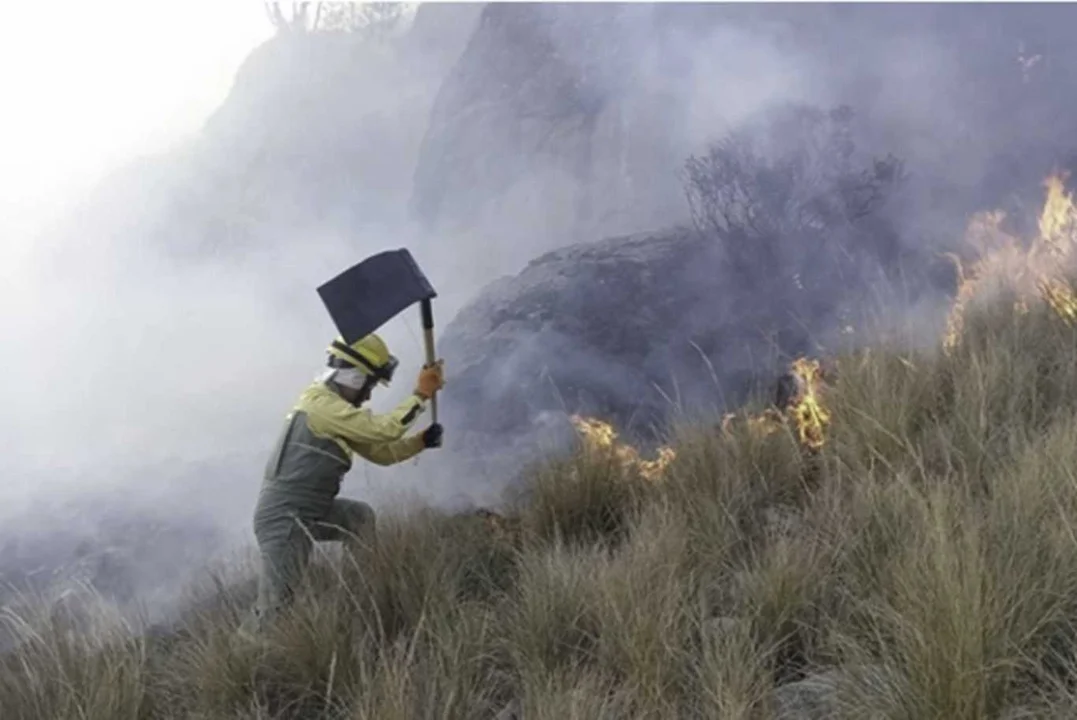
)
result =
(430, 380)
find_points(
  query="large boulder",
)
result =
(591, 328)
(633, 329)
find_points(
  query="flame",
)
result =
(654, 469)
(1001, 255)
(1030, 267)
(807, 410)
(600, 437)
(595, 433)
(1058, 220)
(763, 424)
(1059, 295)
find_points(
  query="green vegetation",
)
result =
(923, 565)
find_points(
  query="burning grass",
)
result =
(1032, 268)
(599, 438)
(929, 570)
(800, 407)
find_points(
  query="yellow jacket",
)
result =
(377, 438)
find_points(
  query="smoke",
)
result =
(158, 333)
(155, 336)
(942, 87)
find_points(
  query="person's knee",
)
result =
(358, 517)
(361, 523)
(365, 515)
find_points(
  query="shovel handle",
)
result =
(427, 311)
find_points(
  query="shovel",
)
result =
(367, 295)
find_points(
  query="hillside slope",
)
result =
(919, 564)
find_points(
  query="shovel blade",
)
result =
(367, 295)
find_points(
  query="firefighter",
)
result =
(298, 501)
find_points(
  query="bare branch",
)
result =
(792, 178)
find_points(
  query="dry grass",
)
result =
(923, 566)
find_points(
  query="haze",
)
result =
(123, 368)
(174, 188)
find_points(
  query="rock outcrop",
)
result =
(595, 328)
(546, 104)
(635, 330)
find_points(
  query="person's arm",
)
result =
(333, 416)
(393, 452)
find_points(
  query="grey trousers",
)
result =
(285, 549)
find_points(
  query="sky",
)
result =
(87, 86)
